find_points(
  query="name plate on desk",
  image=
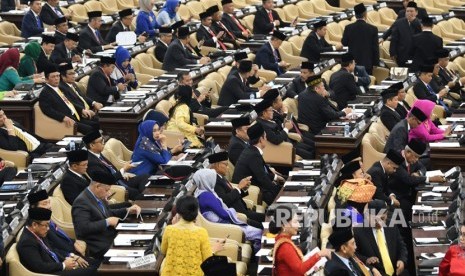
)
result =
(57, 173)
(216, 64)
(228, 59)
(45, 184)
(204, 69)
(137, 48)
(24, 210)
(149, 100)
(149, 43)
(5, 234)
(382, 5)
(332, 62)
(14, 223)
(86, 69)
(137, 108)
(239, 13)
(354, 133)
(149, 259)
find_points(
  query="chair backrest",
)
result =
(79, 12)
(306, 7)
(195, 8)
(15, 267)
(217, 230)
(248, 21)
(184, 12)
(334, 32)
(344, 23)
(287, 47)
(297, 43)
(9, 28)
(373, 17)
(58, 193)
(83, 83)
(163, 106)
(388, 13)
(93, 5)
(380, 130)
(372, 151)
(446, 26)
(49, 128)
(119, 149)
(291, 11)
(208, 84)
(291, 105)
(224, 71)
(61, 215)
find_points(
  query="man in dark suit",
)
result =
(251, 80)
(343, 259)
(177, 54)
(235, 88)
(8, 5)
(315, 43)
(54, 104)
(232, 196)
(218, 26)
(13, 137)
(74, 94)
(403, 31)
(97, 162)
(388, 114)
(380, 245)
(362, 40)
(35, 253)
(251, 163)
(299, 84)
(239, 139)
(424, 88)
(51, 11)
(231, 22)
(398, 137)
(277, 134)
(380, 172)
(447, 77)
(206, 34)
(268, 56)
(66, 51)
(122, 25)
(267, 20)
(166, 36)
(344, 83)
(47, 45)
(32, 25)
(402, 106)
(319, 111)
(90, 37)
(422, 13)
(424, 44)
(93, 221)
(75, 179)
(61, 29)
(103, 89)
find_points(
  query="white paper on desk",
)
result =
(121, 259)
(431, 194)
(300, 183)
(455, 119)
(261, 267)
(422, 208)
(49, 160)
(124, 253)
(130, 100)
(62, 150)
(230, 116)
(126, 239)
(293, 199)
(194, 151)
(309, 162)
(426, 240)
(150, 86)
(249, 101)
(263, 252)
(156, 177)
(445, 145)
(375, 87)
(126, 38)
(333, 53)
(433, 228)
(219, 124)
(434, 173)
(169, 76)
(318, 265)
(62, 143)
(180, 163)
(441, 189)
(304, 172)
(72, 138)
(136, 226)
(17, 97)
(116, 108)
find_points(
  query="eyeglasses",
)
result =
(46, 224)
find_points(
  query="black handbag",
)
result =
(218, 265)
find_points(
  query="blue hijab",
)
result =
(146, 134)
(170, 7)
(121, 55)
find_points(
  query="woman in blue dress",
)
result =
(124, 72)
(146, 21)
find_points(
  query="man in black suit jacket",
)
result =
(97, 162)
(61, 29)
(122, 25)
(54, 104)
(424, 45)
(231, 22)
(319, 110)
(425, 89)
(90, 37)
(75, 179)
(388, 114)
(268, 56)
(218, 27)
(47, 47)
(93, 221)
(177, 54)
(315, 43)
(239, 139)
(31, 24)
(206, 33)
(277, 134)
(166, 36)
(362, 40)
(232, 196)
(403, 31)
(235, 88)
(398, 137)
(35, 252)
(380, 172)
(267, 20)
(51, 11)
(367, 239)
(9, 140)
(104, 89)
(344, 83)
(66, 51)
(422, 13)
(299, 83)
(402, 106)
(251, 163)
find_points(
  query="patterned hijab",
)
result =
(10, 58)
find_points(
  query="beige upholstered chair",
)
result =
(9, 33)
(15, 268)
(372, 150)
(79, 13)
(19, 157)
(282, 154)
(49, 128)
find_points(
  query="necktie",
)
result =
(68, 103)
(59, 231)
(58, 12)
(239, 24)
(20, 135)
(112, 170)
(39, 23)
(97, 36)
(277, 59)
(226, 30)
(100, 204)
(218, 40)
(86, 106)
(383, 250)
(440, 102)
(270, 16)
(69, 54)
(351, 265)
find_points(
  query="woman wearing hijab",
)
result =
(151, 149)
(124, 72)
(146, 21)
(27, 66)
(182, 118)
(427, 131)
(214, 209)
(9, 62)
(168, 14)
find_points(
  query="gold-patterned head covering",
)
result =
(359, 190)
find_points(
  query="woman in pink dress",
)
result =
(427, 131)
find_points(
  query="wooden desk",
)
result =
(396, 5)
(221, 134)
(21, 112)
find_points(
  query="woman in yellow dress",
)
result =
(182, 118)
(184, 244)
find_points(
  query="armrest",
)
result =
(303, 127)
(120, 193)
(20, 158)
(242, 217)
(205, 50)
(231, 249)
(49, 128)
(249, 203)
(221, 230)
(282, 154)
(294, 136)
(173, 137)
(201, 118)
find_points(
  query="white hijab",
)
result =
(205, 179)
